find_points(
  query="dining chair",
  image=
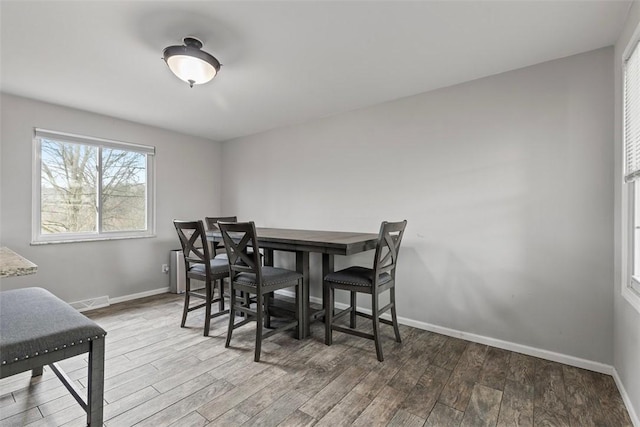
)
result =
(212, 225)
(199, 265)
(372, 281)
(246, 274)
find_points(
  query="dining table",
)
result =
(302, 243)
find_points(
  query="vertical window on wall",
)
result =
(632, 153)
(91, 189)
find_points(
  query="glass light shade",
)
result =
(191, 64)
(190, 69)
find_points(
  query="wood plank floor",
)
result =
(158, 374)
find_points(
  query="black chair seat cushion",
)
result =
(356, 276)
(218, 266)
(33, 322)
(270, 276)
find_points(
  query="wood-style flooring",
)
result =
(158, 374)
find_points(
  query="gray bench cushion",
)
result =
(357, 276)
(33, 321)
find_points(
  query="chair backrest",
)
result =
(212, 225)
(212, 221)
(388, 247)
(238, 237)
(194, 243)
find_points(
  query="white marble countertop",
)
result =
(12, 264)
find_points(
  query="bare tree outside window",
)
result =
(123, 190)
(68, 192)
(74, 177)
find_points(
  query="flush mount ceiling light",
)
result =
(191, 64)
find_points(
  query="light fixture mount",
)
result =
(192, 41)
(191, 64)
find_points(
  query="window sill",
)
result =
(97, 239)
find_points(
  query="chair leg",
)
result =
(259, 319)
(185, 311)
(299, 310)
(247, 301)
(267, 322)
(394, 317)
(232, 313)
(352, 315)
(376, 325)
(221, 295)
(207, 307)
(328, 313)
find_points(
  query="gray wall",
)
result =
(627, 318)
(187, 186)
(505, 182)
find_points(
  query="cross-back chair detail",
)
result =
(242, 258)
(189, 238)
(212, 225)
(247, 275)
(371, 281)
(200, 266)
(389, 240)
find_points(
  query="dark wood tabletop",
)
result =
(329, 242)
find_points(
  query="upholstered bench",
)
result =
(37, 329)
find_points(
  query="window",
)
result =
(91, 189)
(631, 111)
(635, 264)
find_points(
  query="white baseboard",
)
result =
(635, 419)
(139, 295)
(105, 301)
(91, 303)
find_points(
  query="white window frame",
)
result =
(630, 283)
(630, 279)
(634, 276)
(38, 238)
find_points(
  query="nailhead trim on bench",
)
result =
(37, 353)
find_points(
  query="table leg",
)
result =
(327, 267)
(268, 257)
(302, 266)
(268, 298)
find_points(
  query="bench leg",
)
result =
(36, 372)
(95, 386)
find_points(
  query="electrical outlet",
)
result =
(165, 268)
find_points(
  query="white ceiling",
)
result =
(284, 62)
